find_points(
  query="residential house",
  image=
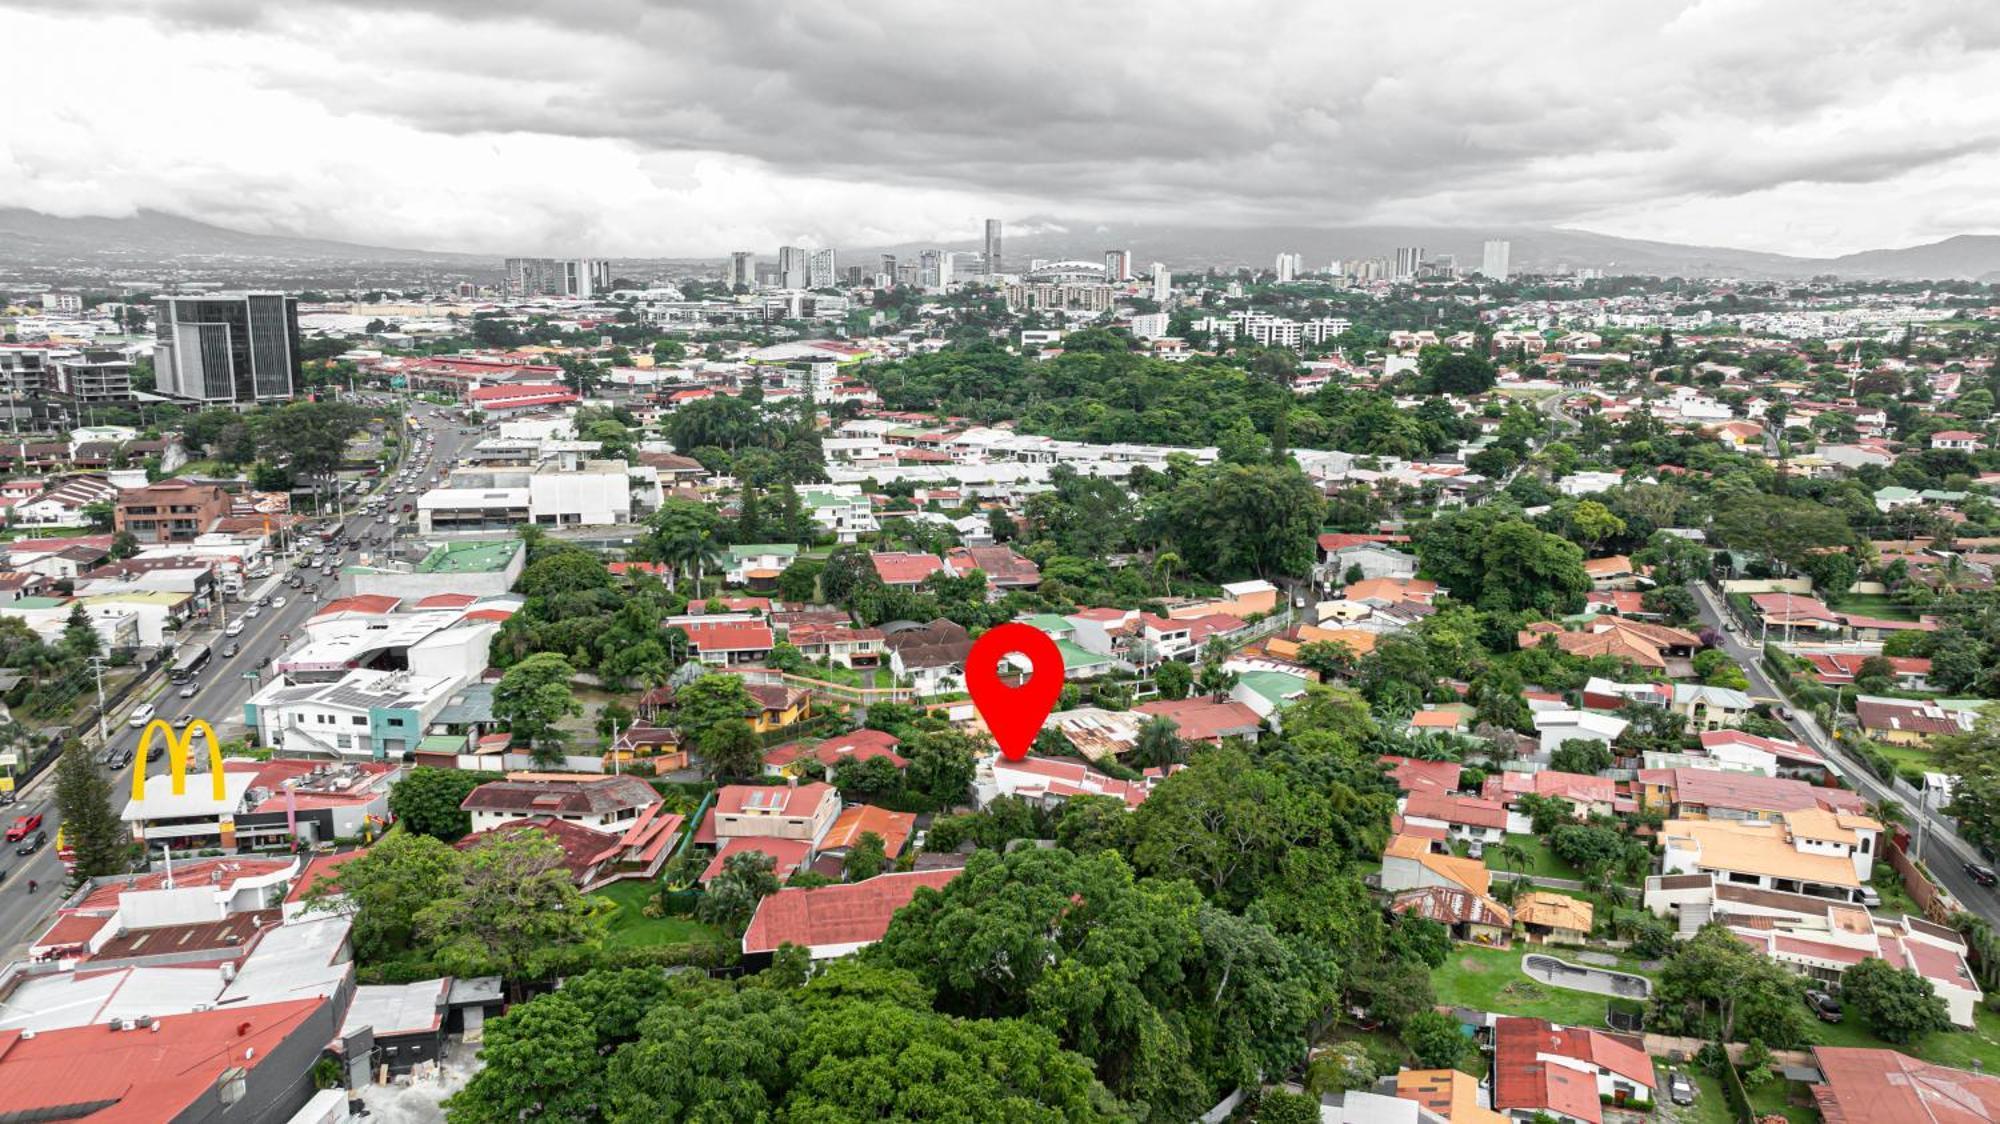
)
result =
(843, 644)
(1472, 918)
(1860, 1086)
(1841, 669)
(1824, 947)
(1712, 794)
(596, 858)
(931, 657)
(728, 643)
(604, 804)
(1049, 782)
(1908, 721)
(1653, 647)
(1816, 852)
(1450, 1095)
(796, 759)
(856, 820)
(1709, 708)
(1004, 569)
(1959, 439)
(1409, 862)
(758, 564)
(1559, 726)
(833, 921)
(1566, 1072)
(1468, 819)
(903, 570)
(1545, 917)
(1206, 720)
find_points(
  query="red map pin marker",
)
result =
(1014, 714)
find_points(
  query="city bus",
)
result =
(189, 661)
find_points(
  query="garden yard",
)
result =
(1961, 1049)
(1540, 863)
(1490, 979)
(629, 927)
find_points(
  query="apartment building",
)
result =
(174, 511)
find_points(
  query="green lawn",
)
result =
(1541, 863)
(1872, 605)
(1490, 979)
(1913, 755)
(1770, 1098)
(631, 928)
(1957, 1048)
(1710, 1105)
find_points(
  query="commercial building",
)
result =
(743, 270)
(1117, 265)
(820, 270)
(794, 266)
(227, 348)
(1493, 263)
(364, 715)
(557, 277)
(552, 494)
(1409, 261)
(994, 257)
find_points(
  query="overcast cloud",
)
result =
(632, 127)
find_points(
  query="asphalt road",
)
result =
(1944, 853)
(220, 692)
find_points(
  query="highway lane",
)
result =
(221, 689)
(1944, 853)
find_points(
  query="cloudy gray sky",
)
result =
(634, 127)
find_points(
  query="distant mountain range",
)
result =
(34, 238)
(31, 238)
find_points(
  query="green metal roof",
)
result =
(470, 557)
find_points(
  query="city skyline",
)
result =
(1875, 132)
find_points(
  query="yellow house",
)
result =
(778, 706)
(1543, 917)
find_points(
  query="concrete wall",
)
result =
(1770, 585)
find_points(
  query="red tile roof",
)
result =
(1467, 810)
(377, 603)
(789, 854)
(448, 601)
(1000, 564)
(856, 745)
(730, 636)
(1412, 775)
(1866, 1086)
(1204, 720)
(895, 828)
(856, 913)
(900, 568)
(781, 800)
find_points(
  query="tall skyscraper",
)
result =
(993, 256)
(820, 270)
(1288, 268)
(1409, 259)
(1163, 283)
(227, 348)
(1494, 262)
(1117, 265)
(557, 277)
(743, 269)
(792, 263)
(930, 270)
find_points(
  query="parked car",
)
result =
(141, 715)
(1680, 1090)
(23, 825)
(32, 843)
(1981, 874)
(1824, 1005)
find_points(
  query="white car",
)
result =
(253, 611)
(277, 602)
(235, 629)
(142, 715)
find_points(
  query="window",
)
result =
(232, 1085)
(359, 720)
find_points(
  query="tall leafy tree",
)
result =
(91, 829)
(532, 697)
(1899, 1005)
(427, 800)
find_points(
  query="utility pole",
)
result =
(97, 665)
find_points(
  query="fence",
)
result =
(1937, 904)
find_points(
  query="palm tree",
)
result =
(1513, 856)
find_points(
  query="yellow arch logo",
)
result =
(179, 746)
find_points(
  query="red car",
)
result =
(22, 826)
